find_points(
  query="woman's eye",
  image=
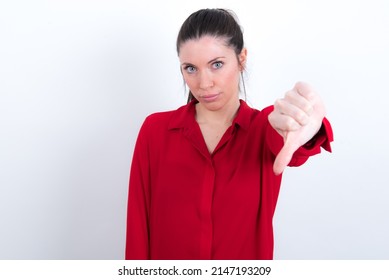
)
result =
(190, 69)
(218, 64)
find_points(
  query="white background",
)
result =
(77, 79)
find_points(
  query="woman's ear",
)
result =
(242, 59)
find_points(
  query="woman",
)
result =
(205, 178)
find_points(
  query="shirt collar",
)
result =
(185, 116)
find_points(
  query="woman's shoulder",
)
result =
(254, 114)
(166, 119)
(159, 117)
(157, 120)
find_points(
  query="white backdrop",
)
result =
(77, 79)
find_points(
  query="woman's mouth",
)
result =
(209, 97)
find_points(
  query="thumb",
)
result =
(285, 155)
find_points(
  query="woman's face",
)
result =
(212, 71)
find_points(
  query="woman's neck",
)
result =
(223, 116)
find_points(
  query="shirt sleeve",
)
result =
(322, 139)
(137, 236)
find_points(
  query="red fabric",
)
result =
(185, 203)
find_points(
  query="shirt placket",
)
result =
(206, 211)
(207, 188)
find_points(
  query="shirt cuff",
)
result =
(322, 139)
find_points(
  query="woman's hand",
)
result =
(297, 118)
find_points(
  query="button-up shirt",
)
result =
(187, 203)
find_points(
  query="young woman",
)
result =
(205, 178)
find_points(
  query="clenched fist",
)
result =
(297, 118)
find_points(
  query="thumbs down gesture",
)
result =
(297, 118)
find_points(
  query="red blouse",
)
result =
(185, 203)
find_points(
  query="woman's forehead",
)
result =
(204, 48)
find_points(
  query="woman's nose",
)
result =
(206, 80)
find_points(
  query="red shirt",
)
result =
(185, 203)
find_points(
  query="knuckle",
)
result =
(290, 94)
(308, 109)
(289, 125)
(301, 118)
(311, 95)
(278, 103)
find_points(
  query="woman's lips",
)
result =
(210, 97)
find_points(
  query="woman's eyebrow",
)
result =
(186, 64)
(209, 62)
(215, 59)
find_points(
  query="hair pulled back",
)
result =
(219, 23)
